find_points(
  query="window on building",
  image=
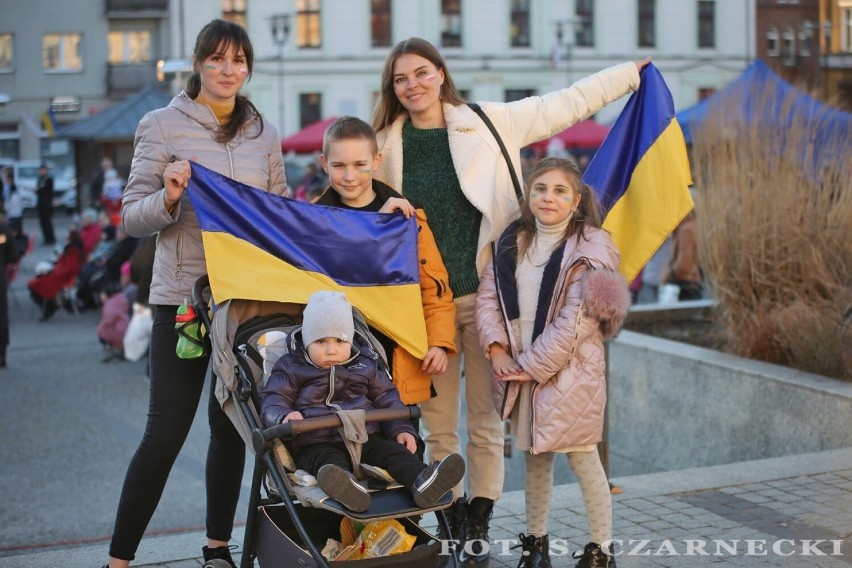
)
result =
(7, 52)
(706, 24)
(380, 22)
(585, 10)
(235, 11)
(510, 95)
(772, 43)
(705, 92)
(845, 27)
(310, 108)
(806, 35)
(647, 23)
(519, 25)
(788, 47)
(129, 47)
(62, 52)
(308, 28)
(451, 23)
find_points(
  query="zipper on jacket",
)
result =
(331, 390)
(229, 148)
(179, 255)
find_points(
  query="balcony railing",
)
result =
(127, 78)
(138, 8)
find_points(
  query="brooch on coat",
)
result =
(464, 129)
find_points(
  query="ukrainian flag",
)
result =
(262, 246)
(641, 174)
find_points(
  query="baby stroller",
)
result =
(288, 523)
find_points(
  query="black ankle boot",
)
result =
(456, 515)
(219, 557)
(594, 557)
(2, 357)
(476, 545)
(536, 551)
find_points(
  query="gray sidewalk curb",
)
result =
(183, 548)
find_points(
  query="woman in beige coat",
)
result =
(212, 124)
(544, 306)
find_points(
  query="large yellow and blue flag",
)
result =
(262, 246)
(641, 174)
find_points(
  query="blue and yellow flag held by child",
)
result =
(641, 174)
(262, 246)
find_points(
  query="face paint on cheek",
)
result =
(430, 78)
(365, 171)
(567, 199)
(242, 70)
(210, 66)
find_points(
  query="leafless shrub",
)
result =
(774, 204)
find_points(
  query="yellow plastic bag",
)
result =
(377, 539)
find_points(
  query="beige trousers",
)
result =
(441, 414)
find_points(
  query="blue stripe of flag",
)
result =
(651, 109)
(353, 248)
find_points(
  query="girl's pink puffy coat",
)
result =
(567, 360)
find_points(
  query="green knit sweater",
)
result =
(430, 180)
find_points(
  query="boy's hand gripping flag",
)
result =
(641, 174)
(262, 246)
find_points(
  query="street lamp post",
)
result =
(573, 25)
(280, 27)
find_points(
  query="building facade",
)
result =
(60, 62)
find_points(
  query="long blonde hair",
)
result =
(388, 106)
(588, 213)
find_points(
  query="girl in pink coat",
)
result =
(547, 301)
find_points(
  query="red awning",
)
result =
(586, 134)
(308, 139)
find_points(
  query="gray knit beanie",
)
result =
(327, 314)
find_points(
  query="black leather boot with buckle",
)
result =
(593, 556)
(476, 547)
(535, 551)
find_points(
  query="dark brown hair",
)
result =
(388, 106)
(588, 213)
(218, 36)
(348, 128)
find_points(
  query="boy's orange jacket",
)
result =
(439, 311)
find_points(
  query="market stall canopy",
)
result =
(308, 139)
(759, 94)
(585, 134)
(118, 122)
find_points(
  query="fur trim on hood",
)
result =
(607, 299)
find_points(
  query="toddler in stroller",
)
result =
(294, 520)
(328, 373)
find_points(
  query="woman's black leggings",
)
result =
(176, 386)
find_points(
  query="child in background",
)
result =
(330, 370)
(559, 297)
(350, 156)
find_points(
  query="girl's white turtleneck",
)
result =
(529, 272)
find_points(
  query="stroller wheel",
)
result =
(217, 563)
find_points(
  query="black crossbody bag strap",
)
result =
(478, 110)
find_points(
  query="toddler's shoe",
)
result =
(433, 482)
(342, 486)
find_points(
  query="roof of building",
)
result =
(119, 121)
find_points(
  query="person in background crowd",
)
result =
(44, 204)
(683, 269)
(97, 187)
(8, 257)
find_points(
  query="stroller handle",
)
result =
(261, 438)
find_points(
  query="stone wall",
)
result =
(675, 406)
